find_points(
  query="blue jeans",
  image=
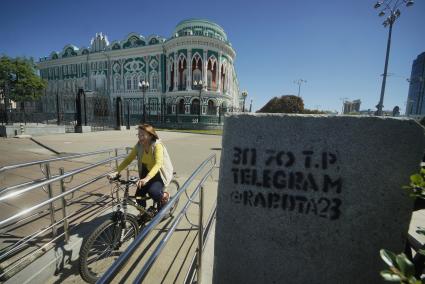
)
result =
(154, 187)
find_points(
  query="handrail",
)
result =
(29, 186)
(57, 178)
(157, 251)
(50, 200)
(21, 165)
(190, 275)
(17, 190)
(122, 259)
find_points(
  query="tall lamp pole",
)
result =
(244, 95)
(392, 11)
(299, 82)
(144, 86)
(199, 86)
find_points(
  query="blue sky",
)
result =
(338, 47)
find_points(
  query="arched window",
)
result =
(135, 82)
(197, 75)
(141, 78)
(212, 109)
(211, 74)
(153, 84)
(169, 108)
(223, 78)
(182, 73)
(117, 83)
(180, 109)
(128, 81)
(209, 79)
(171, 75)
(196, 68)
(194, 107)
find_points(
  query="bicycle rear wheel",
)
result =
(105, 245)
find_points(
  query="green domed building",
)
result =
(190, 71)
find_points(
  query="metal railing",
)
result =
(16, 191)
(109, 275)
(23, 217)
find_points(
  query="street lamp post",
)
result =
(144, 86)
(299, 82)
(199, 86)
(393, 14)
(244, 95)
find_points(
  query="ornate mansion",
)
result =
(197, 52)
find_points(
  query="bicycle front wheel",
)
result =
(105, 245)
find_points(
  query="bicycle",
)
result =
(105, 244)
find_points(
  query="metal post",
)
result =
(384, 79)
(128, 114)
(6, 102)
(116, 161)
(85, 110)
(78, 104)
(199, 116)
(200, 234)
(128, 168)
(243, 107)
(50, 192)
(57, 108)
(64, 214)
(144, 108)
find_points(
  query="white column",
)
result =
(159, 75)
(168, 72)
(204, 68)
(175, 72)
(219, 72)
(147, 69)
(123, 86)
(189, 70)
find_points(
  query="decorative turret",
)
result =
(99, 43)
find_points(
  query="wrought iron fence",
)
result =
(102, 113)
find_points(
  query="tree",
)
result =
(19, 80)
(284, 104)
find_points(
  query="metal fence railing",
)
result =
(67, 189)
(208, 165)
(64, 195)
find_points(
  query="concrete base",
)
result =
(23, 136)
(82, 129)
(122, 127)
(31, 129)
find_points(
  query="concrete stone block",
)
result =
(82, 129)
(312, 199)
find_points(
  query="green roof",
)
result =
(200, 27)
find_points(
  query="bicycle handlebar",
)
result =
(131, 180)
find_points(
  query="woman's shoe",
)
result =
(164, 200)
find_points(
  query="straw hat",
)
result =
(149, 129)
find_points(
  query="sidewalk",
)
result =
(180, 146)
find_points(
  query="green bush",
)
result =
(401, 269)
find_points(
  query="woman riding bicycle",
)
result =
(154, 164)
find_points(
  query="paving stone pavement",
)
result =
(187, 152)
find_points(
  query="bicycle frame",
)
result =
(126, 199)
